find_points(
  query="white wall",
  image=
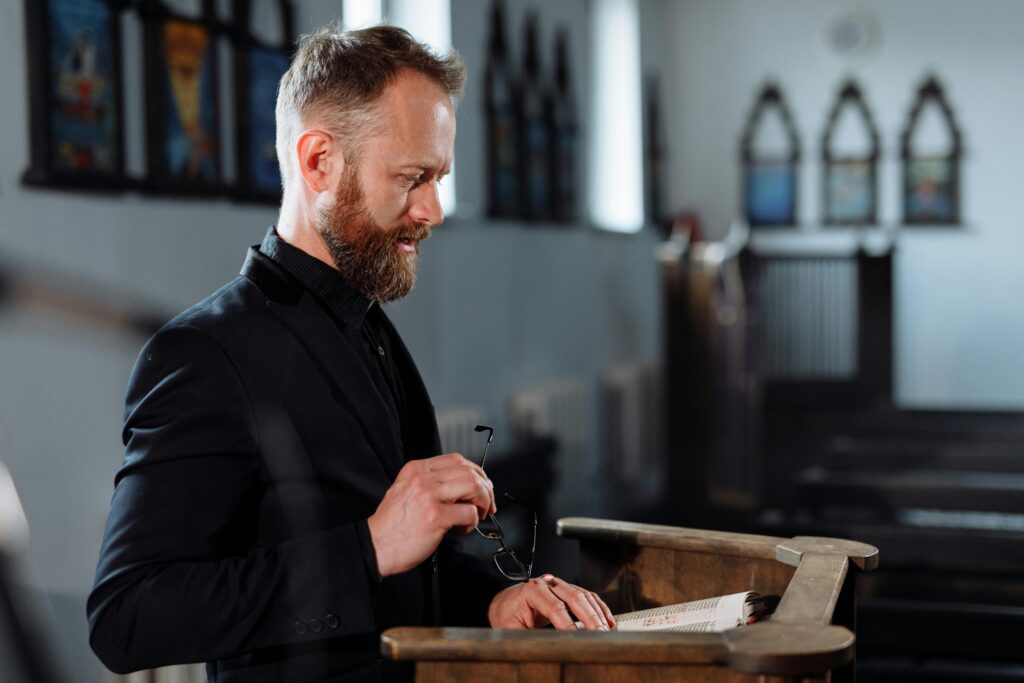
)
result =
(499, 306)
(959, 321)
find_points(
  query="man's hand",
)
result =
(549, 600)
(428, 497)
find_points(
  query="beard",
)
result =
(366, 253)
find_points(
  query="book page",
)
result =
(712, 614)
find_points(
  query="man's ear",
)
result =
(319, 159)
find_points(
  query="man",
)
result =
(281, 501)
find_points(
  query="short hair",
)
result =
(339, 75)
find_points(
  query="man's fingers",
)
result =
(581, 603)
(448, 461)
(544, 601)
(452, 466)
(608, 616)
(428, 497)
(547, 599)
(604, 614)
(460, 515)
(466, 487)
(599, 608)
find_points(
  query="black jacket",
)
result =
(256, 448)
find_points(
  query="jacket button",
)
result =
(332, 621)
(315, 625)
(299, 628)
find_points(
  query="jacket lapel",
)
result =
(333, 356)
(425, 440)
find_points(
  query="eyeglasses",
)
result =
(505, 559)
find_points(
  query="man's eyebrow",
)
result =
(424, 167)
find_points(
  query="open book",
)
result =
(711, 614)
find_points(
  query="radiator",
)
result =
(562, 409)
(456, 428)
(808, 309)
(632, 434)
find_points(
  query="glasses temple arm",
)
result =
(487, 447)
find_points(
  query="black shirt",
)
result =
(364, 325)
(359, 319)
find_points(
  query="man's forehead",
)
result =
(409, 80)
(413, 97)
(417, 119)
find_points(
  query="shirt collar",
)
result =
(326, 283)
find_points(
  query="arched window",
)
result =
(500, 96)
(931, 150)
(849, 149)
(770, 152)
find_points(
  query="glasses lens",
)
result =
(489, 529)
(509, 565)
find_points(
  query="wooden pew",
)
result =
(633, 566)
(928, 501)
(886, 493)
(946, 507)
(922, 452)
(952, 425)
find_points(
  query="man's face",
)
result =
(386, 203)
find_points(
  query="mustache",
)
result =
(412, 232)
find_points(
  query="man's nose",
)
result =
(426, 205)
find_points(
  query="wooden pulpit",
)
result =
(810, 637)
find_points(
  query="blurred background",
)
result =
(740, 264)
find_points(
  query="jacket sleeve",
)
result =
(468, 584)
(182, 576)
